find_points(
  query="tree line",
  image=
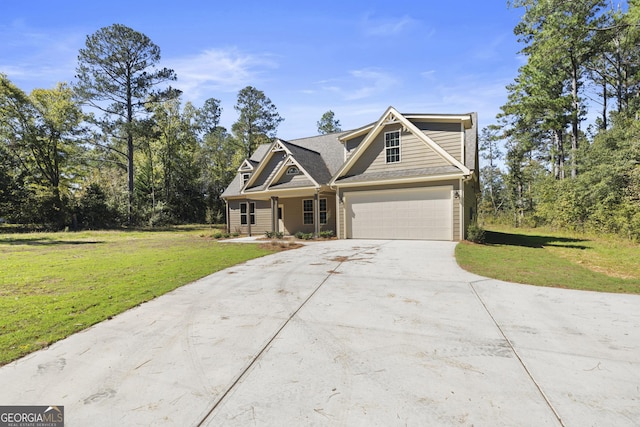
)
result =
(540, 166)
(119, 146)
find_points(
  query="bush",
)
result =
(475, 233)
(327, 234)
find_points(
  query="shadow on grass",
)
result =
(536, 242)
(46, 241)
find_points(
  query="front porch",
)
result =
(310, 212)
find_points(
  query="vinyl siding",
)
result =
(447, 135)
(294, 179)
(352, 144)
(414, 154)
(262, 213)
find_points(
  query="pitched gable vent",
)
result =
(293, 170)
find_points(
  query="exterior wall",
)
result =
(414, 154)
(352, 144)
(262, 213)
(293, 214)
(447, 135)
(456, 202)
(294, 179)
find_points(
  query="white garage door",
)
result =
(416, 213)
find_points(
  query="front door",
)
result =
(281, 219)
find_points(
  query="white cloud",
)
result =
(218, 70)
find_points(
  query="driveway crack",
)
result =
(510, 344)
(248, 367)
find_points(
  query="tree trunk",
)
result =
(575, 116)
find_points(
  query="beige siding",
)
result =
(262, 214)
(447, 135)
(299, 178)
(352, 144)
(414, 154)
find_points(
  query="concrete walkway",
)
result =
(348, 333)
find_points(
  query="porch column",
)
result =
(316, 213)
(227, 216)
(275, 224)
(249, 216)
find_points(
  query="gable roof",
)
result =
(392, 116)
(321, 158)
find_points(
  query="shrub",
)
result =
(327, 234)
(217, 235)
(269, 234)
(475, 233)
(299, 235)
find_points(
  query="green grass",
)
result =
(55, 284)
(548, 258)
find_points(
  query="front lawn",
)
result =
(546, 258)
(55, 284)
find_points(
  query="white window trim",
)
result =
(249, 213)
(321, 211)
(245, 177)
(307, 212)
(386, 149)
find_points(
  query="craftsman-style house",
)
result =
(406, 176)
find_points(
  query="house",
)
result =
(406, 176)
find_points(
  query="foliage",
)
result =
(258, 120)
(274, 234)
(328, 123)
(117, 76)
(327, 234)
(55, 284)
(303, 236)
(475, 233)
(556, 175)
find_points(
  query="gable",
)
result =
(414, 154)
(267, 170)
(392, 117)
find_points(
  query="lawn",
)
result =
(55, 284)
(548, 258)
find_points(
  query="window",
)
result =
(245, 178)
(392, 146)
(323, 211)
(293, 170)
(244, 214)
(307, 211)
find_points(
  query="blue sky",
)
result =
(355, 58)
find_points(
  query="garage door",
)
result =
(417, 213)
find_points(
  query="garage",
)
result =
(424, 213)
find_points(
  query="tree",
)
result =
(40, 132)
(562, 35)
(117, 75)
(490, 174)
(328, 123)
(258, 121)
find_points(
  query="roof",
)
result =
(321, 157)
(400, 174)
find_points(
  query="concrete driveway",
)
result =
(348, 333)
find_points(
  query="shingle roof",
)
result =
(235, 188)
(398, 174)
